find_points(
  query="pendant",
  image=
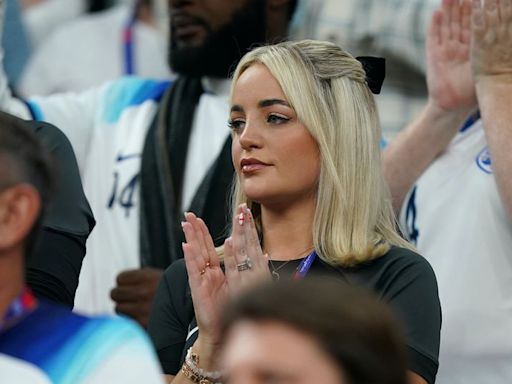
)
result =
(275, 275)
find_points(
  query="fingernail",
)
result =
(241, 218)
(182, 224)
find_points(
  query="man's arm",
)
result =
(451, 99)
(491, 59)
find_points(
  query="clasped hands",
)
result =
(211, 285)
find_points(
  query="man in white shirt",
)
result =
(147, 150)
(449, 173)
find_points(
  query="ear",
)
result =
(19, 209)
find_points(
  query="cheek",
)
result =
(235, 154)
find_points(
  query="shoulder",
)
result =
(131, 91)
(405, 262)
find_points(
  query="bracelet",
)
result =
(198, 375)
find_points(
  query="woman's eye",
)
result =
(277, 119)
(236, 125)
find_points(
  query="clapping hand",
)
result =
(245, 265)
(449, 76)
(491, 49)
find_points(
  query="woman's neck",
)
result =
(288, 232)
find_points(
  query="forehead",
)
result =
(256, 83)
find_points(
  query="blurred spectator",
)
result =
(148, 151)
(57, 344)
(449, 172)
(394, 29)
(15, 43)
(93, 49)
(311, 331)
(41, 17)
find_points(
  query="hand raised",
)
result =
(207, 280)
(449, 77)
(491, 48)
(245, 262)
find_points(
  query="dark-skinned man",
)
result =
(148, 150)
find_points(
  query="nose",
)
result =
(251, 137)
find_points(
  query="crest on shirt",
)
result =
(483, 160)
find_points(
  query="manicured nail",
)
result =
(241, 218)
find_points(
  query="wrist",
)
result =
(207, 350)
(436, 112)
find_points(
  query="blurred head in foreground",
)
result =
(312, 331)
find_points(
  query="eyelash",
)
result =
(234, 124)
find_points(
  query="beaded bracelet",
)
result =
(198, 375)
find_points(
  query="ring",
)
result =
(247, 264)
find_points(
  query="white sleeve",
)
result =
(74, 114)
(7, 102)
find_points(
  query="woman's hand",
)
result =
(207, 281)
(245, 262)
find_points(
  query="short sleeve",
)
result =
(414, 296)
(171, 316)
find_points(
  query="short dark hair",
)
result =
(356, 330)
(24, 159)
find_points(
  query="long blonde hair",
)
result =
(354, 221)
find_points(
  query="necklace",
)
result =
(275, 270)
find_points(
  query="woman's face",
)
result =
(276, 158)
(273, 353)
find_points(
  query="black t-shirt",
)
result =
(401, 277)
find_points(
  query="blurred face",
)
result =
(208, 37)
(276, 158)
(273, 353)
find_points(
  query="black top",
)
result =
(53, 266)
(400, 277)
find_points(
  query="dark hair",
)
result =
(354, 328)
(24, 159)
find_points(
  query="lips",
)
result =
(187, 28)
(252, 165)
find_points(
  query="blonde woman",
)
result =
(309, 199)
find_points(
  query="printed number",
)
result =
(410, 218)
(123, 195)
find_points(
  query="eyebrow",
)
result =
(262, 104)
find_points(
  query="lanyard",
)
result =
(21, 305)
(128, 46)
(304, 266)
